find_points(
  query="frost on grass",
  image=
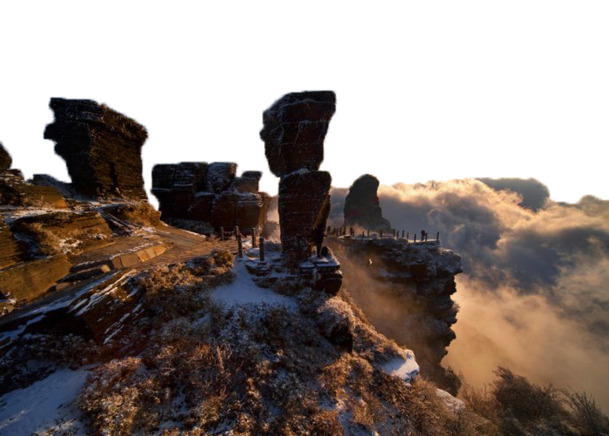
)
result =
(239, 358)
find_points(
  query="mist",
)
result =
(534, 291)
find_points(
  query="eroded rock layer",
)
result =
(362, 207)
(101, 147)
(210, 193)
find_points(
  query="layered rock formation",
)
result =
(101, 147)
(405, 291)
(362, 207)
(210, 193)
(294, 130)
(15, 191)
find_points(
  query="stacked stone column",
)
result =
(294, 130)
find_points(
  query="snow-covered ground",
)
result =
(243, 291)
(45, 406)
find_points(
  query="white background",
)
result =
(426, 90)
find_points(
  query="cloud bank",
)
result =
(534, 294)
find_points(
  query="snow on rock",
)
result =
(243, 291)
(404, 367)
(45, 406)
(453, 403)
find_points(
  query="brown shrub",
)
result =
(586, 416)
(526, 401)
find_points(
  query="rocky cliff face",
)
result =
(294, 130)
(405, 290)
(211, 195)
(362, 207)
(101, 147)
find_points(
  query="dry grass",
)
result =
(514, 405)
(254, 370)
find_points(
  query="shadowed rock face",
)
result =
(210, 193)
(362, 206)
(406, 290)
(101, 147)
(294, 130)
(304, 205)
(5, 159)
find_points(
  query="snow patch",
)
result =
(45, 406)
(453, 403)
(404, 367)
(243, 291)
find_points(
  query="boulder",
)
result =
(295, 127)
(101, 147)
(362, 207)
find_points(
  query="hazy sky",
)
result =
(426, 90)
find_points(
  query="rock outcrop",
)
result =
(11, 252)
(210, 194)
(15, 191)
(5, 159)
(362, 207)
(294, 130)
(101, 147)
(405, 291)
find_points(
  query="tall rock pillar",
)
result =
(101, 147)
(295, 127)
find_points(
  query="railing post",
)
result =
(254, 237)
(240, 245)
(261, 249)
(222, 233)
